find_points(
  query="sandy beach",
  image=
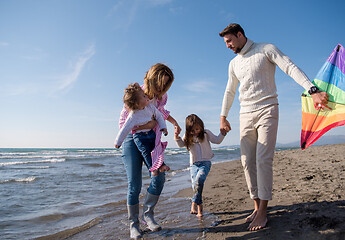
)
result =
(308, 203)
(308, 197)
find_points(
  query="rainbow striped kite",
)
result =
(330, 79)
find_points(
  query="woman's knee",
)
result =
(134, 187)
(157, 184)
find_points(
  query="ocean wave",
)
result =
(17, 153)
(38, 167)
(226, 148)
(53, 160)
(94, 165)
(175, 151)
(72, 231)
(23, 167)
(49, 218)
(72, 156)
(89, 150)
(26, 180)
(93, 155)
(81, 153)
(36, 153)
(46, 152)
(30, 157)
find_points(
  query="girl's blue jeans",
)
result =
(133, 161)
(145, 142)
(199, 171)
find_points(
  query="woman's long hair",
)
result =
(154, 80)
(191, 121)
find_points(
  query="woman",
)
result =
(156, 83)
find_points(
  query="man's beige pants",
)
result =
(258, 133)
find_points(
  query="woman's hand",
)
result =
(165, 131)
(174, 122)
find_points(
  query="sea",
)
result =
(46, 193)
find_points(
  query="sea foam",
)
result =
(53, 160)
(26, 180)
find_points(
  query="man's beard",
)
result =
(238, 50)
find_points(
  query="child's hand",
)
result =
(165, 131)
(117, 146)
(224, 124)
(177, 133)
(177, 129)
(223, 132)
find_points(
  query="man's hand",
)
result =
(224, 125)
(117, 146)
(320, 100)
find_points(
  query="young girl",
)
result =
(197, 141)
(141, 112)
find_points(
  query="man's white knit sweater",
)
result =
(254, 69)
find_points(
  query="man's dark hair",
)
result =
(233, 29)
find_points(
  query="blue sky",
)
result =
(65, 64)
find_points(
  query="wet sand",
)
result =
(308, 203)
(171, 213)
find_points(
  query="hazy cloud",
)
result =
(159, 2)
(227, 15)
(18, 89)
(35, 54)
(199, 86)
(48, 84)
(4, 44)
(77, 67)
(124, 11)
(176, 10)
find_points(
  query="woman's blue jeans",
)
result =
(199, 171)
(133, 161)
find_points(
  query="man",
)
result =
(253, 69)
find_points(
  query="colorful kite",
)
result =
(316, 121)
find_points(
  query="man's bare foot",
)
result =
(164, 168)
(193, 209)
(251, 217)
(155, 173)
(259, 222)
(199, 206)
